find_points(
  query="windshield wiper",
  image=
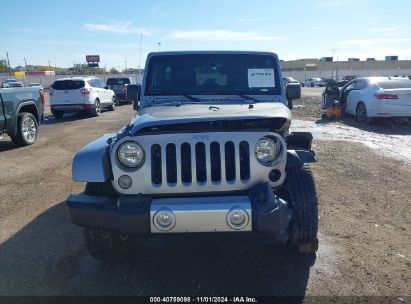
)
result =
(247, 97)
(191, 97)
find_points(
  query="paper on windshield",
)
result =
(261, 78)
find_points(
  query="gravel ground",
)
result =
(364, 229)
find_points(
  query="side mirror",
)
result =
(107, 87)
(292, 91)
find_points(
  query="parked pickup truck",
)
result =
(208, 152)
(21, 111)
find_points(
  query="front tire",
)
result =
(27, 130)
(302, 194)
(361, 113)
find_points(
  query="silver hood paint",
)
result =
(197, 112)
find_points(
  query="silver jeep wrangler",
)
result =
(209, 151)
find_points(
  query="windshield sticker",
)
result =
(261, 78)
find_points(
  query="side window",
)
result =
(101, 83)
(360, 85)
(91, 83)
(350, 86)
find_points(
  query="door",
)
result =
(355, 95)
(97, 89)
(330, 94)
(345, 98)
(107, 93)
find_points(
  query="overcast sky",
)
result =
(65, 31)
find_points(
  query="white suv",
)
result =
(77, 94)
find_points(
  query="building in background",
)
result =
(302, 69)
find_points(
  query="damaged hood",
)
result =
(186, 113)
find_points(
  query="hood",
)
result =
(187, 113)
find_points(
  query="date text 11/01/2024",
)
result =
(203, 300)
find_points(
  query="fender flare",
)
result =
(22, 104)
(92, 162)
(299, 157)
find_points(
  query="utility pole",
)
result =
(332, 66)
(125, 63)
(25, 64)
(159, 46)
(49, 61)
(8, 61)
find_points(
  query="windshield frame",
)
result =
(277, 90)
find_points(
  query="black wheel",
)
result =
(113, 105)
(116, 101)
(106, 245)
(302, 194)
(27, 129)
(361, 113)
(96, 109)
(57, 114)
(312, 84)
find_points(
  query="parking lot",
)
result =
(363, 180)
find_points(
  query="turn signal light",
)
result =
(43, 97)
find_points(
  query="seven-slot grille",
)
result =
(200, 163)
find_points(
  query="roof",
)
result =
(77, 78)
(210, 52)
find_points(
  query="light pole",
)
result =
(25, 64)
(159, 46)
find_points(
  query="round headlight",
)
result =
(130, 154)
(267, 149)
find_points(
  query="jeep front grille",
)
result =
(200, 162)
(184, 163)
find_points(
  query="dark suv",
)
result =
(119, 86)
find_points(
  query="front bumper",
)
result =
(135, 214)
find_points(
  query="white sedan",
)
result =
(315, 82)
(370, 97)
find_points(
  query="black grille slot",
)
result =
(201, 163)
(229, 161)
(186, 176)
(156, 177)
(171, 163)
(244, 160)
(215, 162)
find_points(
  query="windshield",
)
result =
(118, 81)
(68, 84)
(213, 74)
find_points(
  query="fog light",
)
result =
(274, 175)
(237, 218)
(164, 220)
(125, 181)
